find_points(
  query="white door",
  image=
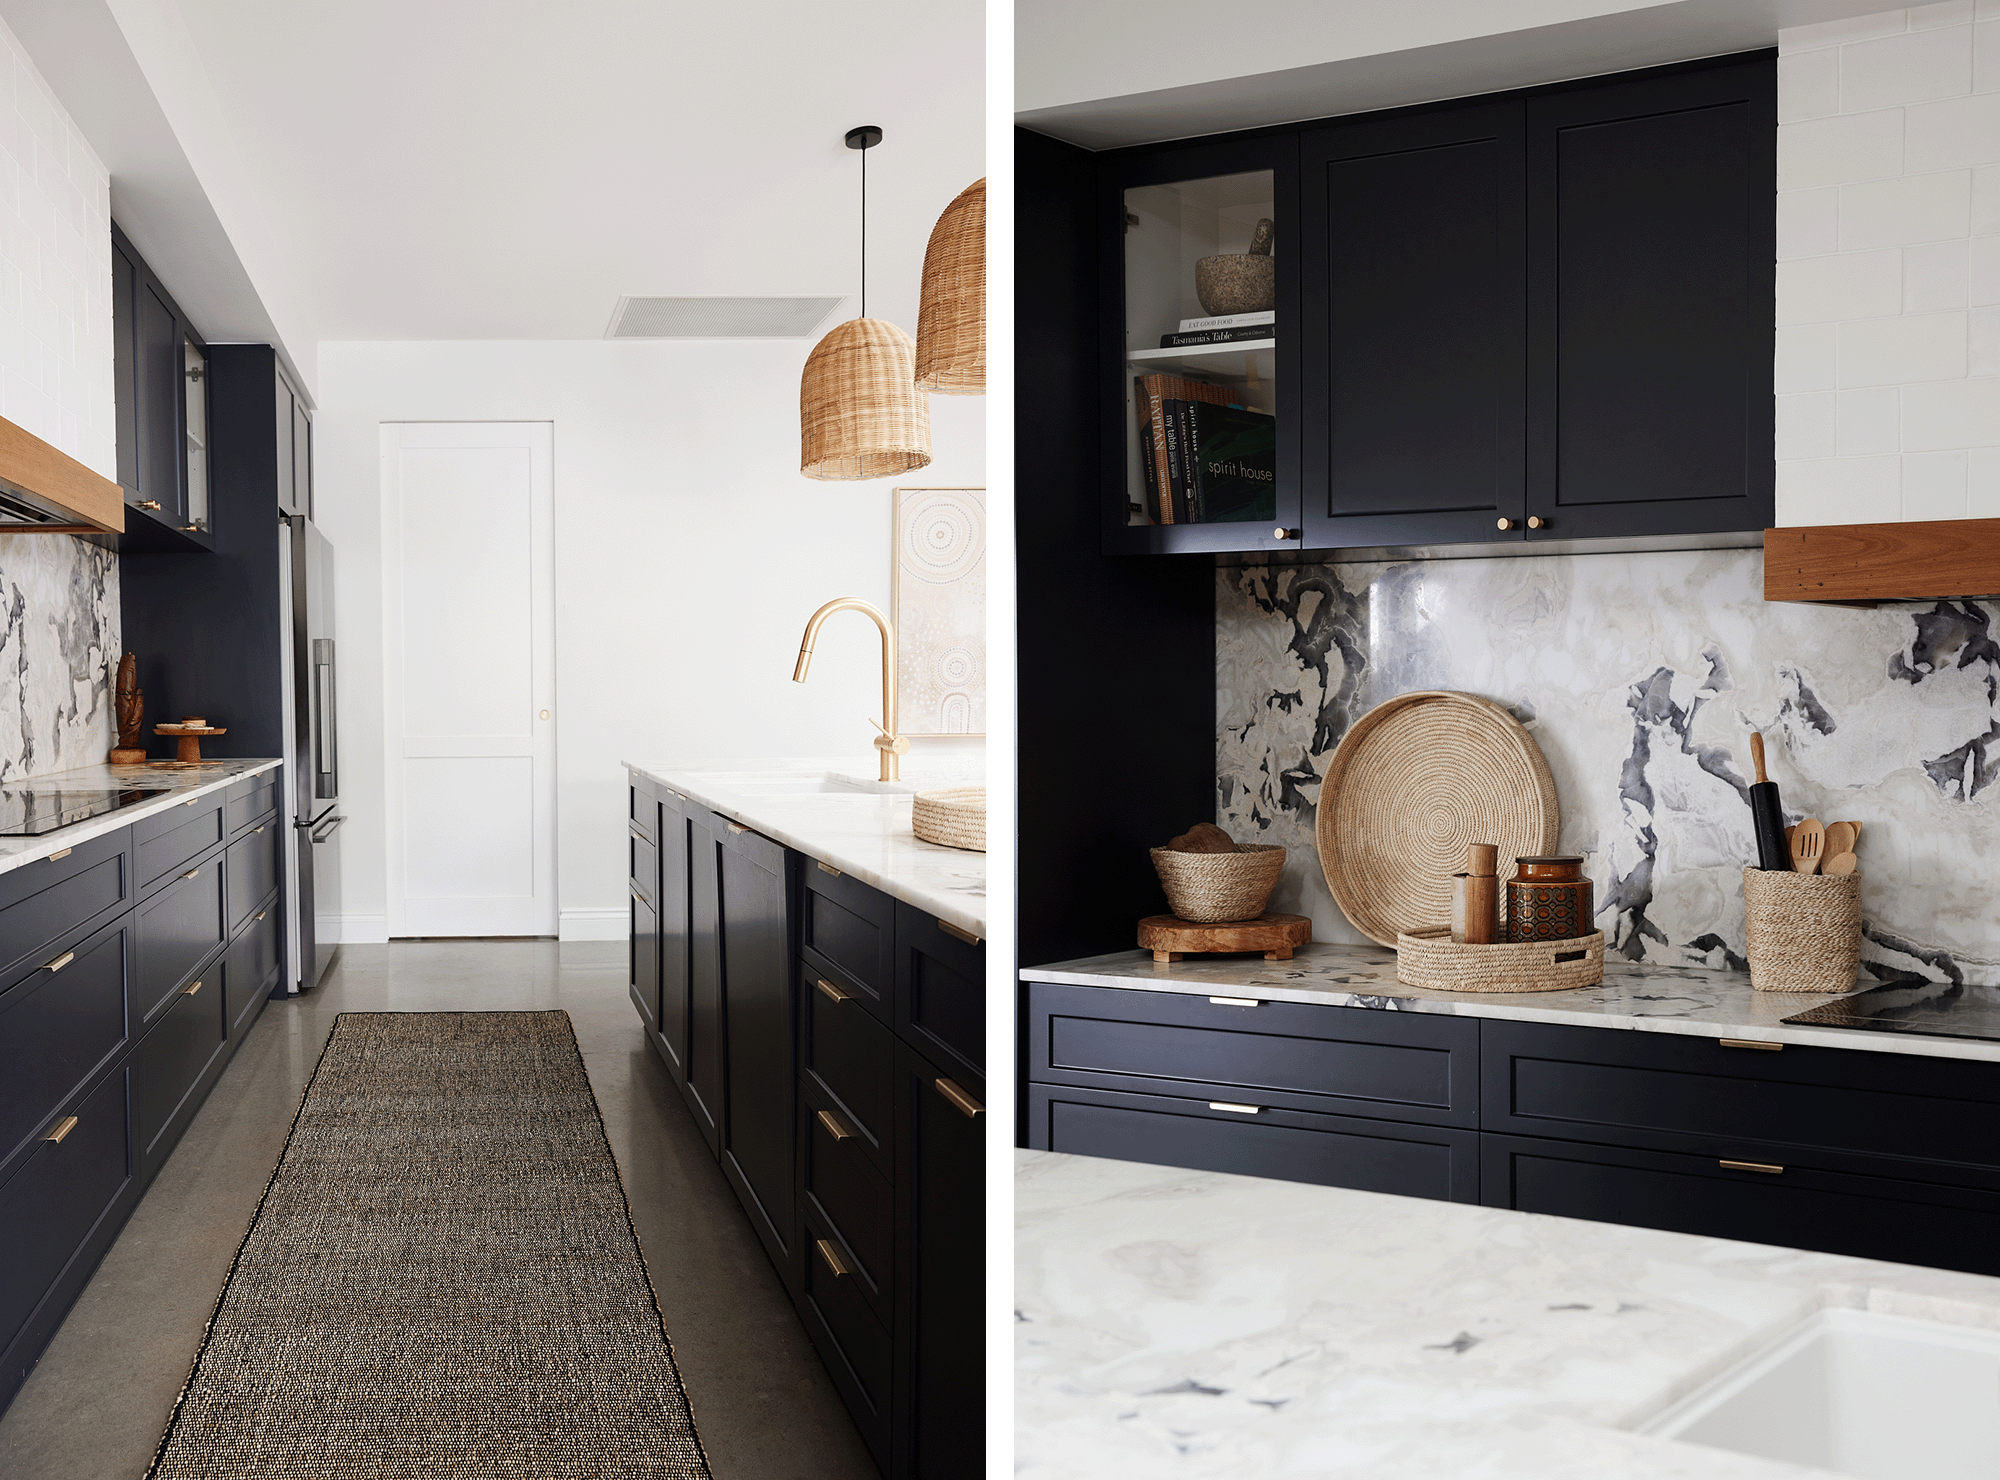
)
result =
(468, 566)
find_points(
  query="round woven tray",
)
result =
(1802, 932)
(1430, 958)
(1416, 779)
(954, 816)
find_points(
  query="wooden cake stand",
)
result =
(190, 737)
(1170, 938)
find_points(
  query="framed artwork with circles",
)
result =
(938, 605)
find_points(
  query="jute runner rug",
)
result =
(442, 1279)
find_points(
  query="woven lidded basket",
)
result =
(1432, 959)
(1802, 932)
(1209, 888)
(954, 816)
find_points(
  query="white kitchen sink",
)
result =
(1880, 1397)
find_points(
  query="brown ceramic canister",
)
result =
(1549, 899)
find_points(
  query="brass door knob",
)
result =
(1505, 523)
(1535, 521)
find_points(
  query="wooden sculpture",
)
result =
(131, 711)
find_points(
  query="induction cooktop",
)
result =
(1940, 1009)
(28, 814)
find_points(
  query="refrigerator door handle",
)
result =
(327, 828)
(326, 752)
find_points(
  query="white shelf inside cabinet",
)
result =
(1212, 358)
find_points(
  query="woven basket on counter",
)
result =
(1433, 960)
(1802, 932)
(954, 816)
(1208, 888)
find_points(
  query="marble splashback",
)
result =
(1640, 676)
(59, 647)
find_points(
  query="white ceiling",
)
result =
(507, 169)
(1090, 72)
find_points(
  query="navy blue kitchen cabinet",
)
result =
(829, 1042)
(159, 371)
(1536, 316)
(1879, 1155)
(136, 963)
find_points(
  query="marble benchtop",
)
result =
(1188, 1325)
(1701, 1001)
(865, 836)
(172, 783)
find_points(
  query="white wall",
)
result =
(1888, 366)
(689, 553)
(55, 271)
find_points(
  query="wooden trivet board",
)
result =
(1170, 938)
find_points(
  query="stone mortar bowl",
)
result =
(1236, 283)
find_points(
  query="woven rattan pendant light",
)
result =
(860, 413)
(951, 323)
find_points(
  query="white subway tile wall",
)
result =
(1888, 288)
(55, 271)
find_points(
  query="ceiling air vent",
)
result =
(719, 318)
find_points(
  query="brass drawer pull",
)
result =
(832, 1257)
(1236, 1002)
(61, 961)
(61, 853)
(833, 1125)
(256, 829)
(1750, 1166)
(826, 868)
(190, 991)
(68, 1124)
(832, 991)
(1749, 1043)
(260, 914)
(190, 873)
(737, 827)
(192, 802)
(965, 935)
(1235, 1109)
(964, 1102)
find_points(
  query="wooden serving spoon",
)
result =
(1840, 838)
(1808, 846)
(1841, 864)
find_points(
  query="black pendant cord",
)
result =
(864, 233)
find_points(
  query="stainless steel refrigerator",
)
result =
(313, 752)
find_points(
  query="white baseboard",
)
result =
(353, 930)
(610, 924)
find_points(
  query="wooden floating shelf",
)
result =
(1929, 560)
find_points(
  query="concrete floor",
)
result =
(95, 1406)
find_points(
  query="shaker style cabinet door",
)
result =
(1413, 328)
(1651, 243)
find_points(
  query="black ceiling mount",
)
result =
(865, 137)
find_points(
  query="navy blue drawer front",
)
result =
(171, 1059)
(1673, 1092)
(852, 1343)
(1865, 1217)
(51, 1203)
(850, 1058)
(164, 845)
(941, 995)
(1257, 1141)
(1414, 1067)
(846, 1191)
(57, 1029)
(173, 933)
(48, 904)
(643, 864)
(251, 969)
(847, 930)
(252, 872)
(639, 807)
(250, 801)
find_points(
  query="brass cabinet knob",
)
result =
(1505, 523)
(1535, 521)
(150, 503)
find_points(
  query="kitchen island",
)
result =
(813, 977)
(1670, 1097)
(1195, 1324)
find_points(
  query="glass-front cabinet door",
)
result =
(1200, 292)
(194, 365)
